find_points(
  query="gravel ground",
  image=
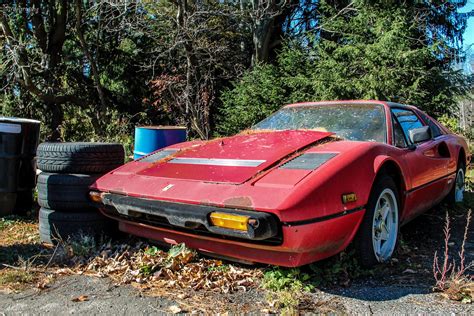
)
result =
(106, 298)
(103, 298)
(378, 299)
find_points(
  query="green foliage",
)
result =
(152, 251)
(259, 93)
(450, 122)
(371, 52)
(219, 268)
(7, 221)
(286, 287)
(279, 279)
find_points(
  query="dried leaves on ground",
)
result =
(180, 267)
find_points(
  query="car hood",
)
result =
(232, 160)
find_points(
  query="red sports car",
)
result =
(296, 188)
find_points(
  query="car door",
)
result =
(427, 164)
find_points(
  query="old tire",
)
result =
(65, 192)
(56, 226)
(377, 237)
(79, 157)
(456, 195)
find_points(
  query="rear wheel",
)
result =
(378, 234)
(456, 195)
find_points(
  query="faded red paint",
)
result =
(291, 195)
(270, 147)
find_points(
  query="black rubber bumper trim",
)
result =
(323, 218)
(192, 215)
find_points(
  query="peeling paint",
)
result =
(239, 202)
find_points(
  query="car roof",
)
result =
(349, 102)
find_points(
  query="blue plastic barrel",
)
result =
(151, 138)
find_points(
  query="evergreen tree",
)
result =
(360, 50)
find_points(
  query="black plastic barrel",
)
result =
(18, 142)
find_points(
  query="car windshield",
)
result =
(360, 122)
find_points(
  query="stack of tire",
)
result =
(67, 171)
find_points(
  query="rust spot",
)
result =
(239, 202)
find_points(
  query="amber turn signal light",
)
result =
(95, 196)
(350, 197)
(229, 221)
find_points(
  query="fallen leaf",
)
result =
(42, 285)
(175, 309)
(82, 298)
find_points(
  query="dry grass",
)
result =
(15, 279)
(14, 230)
(19, 247)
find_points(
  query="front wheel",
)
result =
(378, 234)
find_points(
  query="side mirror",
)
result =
(421, 134)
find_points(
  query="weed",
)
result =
(82, 246)
(147, 270)
(219, 268)
(15, 278)
(152, 251)
(286, 288)
(179, 255)
(451, 277)
(10, 220)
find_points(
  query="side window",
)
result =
(435, 130)
(407, 119)
(398, 137)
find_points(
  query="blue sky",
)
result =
(469, 33)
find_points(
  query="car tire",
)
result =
(79, 157)
(65, 192)
(377, 237)
(55, 226)
(456, 195)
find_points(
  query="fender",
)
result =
(379, 162)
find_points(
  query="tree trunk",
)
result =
(94, 69)
(57, 118)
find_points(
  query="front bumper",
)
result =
(292, 245)
(188, 216)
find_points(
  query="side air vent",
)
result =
(158, 156)
(309, 161)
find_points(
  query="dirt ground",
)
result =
(106, 298)
(402, 286)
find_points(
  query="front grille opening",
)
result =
(191, 227)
